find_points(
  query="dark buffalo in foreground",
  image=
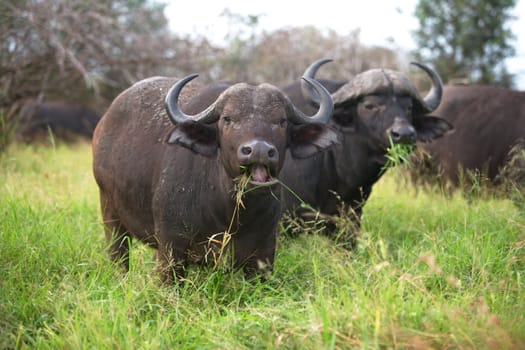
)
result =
(170, 179)
(488, 121)
(371, 109)
(65, 121)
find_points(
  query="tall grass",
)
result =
(430, 271)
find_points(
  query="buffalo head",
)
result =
(249, 128)
(371, 111)
(385, 105)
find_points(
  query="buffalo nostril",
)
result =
(257, 151)
(395, 135)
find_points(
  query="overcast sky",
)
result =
(382, 22)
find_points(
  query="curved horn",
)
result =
(307, 91)
(433, 98)
(326, 106)
(176, 115)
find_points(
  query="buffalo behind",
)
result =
(66, 121)
(487, 141)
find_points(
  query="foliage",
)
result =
(88, 51)
(429, 272)
(84, 51)
(7, 130)
(298, 47)
(49, 47)
(281, 56)
(466, 40)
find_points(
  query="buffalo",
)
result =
(173, 179)
(372, 110)
(489, 127)
(66, 121)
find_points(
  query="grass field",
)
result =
(429, 272)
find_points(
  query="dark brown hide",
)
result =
(488, 122)
(370, 108)
(172, 186)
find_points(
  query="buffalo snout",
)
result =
(402, 132)
(258, 152)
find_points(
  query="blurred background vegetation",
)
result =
(88, 51)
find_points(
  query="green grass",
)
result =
(430, 271)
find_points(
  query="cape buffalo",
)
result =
(488, 123)
(169, 178)
(371, 109)
(65, 120)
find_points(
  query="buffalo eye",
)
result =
(370, 106)
(227, 120)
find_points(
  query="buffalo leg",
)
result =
(256, 260)
(117, 237)
(119, 242)
(171, 263)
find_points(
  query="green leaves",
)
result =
(466, 39)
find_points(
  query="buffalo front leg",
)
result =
(171, 263)
(255, 256)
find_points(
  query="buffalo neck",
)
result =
(358, 162)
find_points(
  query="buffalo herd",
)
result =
(200, 172)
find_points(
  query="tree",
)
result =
(280, 57)
(88, 51)
(67, 48)
(466, 40)
(76, 50)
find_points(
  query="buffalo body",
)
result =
(488, 121)
(64, 120)
(371, 111)
(170, 179)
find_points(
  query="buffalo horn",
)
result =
(176, 115)
(433, 98)
(306, 90)
(326, 106)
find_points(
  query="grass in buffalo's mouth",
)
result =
(397, 154)
(241, 183)
(217, 243)
(248, 171)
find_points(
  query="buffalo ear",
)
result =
(309, 139)
(429, 128)
(198, 137)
